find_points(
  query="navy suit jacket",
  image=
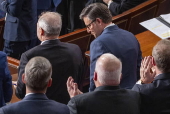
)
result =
(124, 46)
(66, 60)
(5, 81)
(155, 97)
(106, 100)
(119, 6)
(35, 104)
(21, 19)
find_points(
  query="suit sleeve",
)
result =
(13, 7)
(7, 83)
(21, 89)
(96, 50)
(72, 106)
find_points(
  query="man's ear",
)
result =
(153, 62)
(95, 76)
(49, 83)
(23, 78)
(98, 20)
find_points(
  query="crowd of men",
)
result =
(120, 81)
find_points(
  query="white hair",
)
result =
(51, 23)
(108, 68)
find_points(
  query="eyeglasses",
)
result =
(88, 26)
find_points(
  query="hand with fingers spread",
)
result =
(72, 88)
(146, 74)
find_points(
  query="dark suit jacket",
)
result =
(119, 6)
(35, 104)
(106, 100)
(155, 97)
(47, 5)
(66, 60)
(124, 46)
(21, 19)
(5, 81)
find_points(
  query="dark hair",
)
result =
(161, 54)
(97, 10)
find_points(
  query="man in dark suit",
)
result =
(108, 97)
(5, 81)
(37, 78)
(154, 87)
(66, 58)
(119, 6)
(20, 25)
(43, 6)
(111, 39)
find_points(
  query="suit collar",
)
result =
(162, 76)
(107, 88)
(56, 41)
(36, 96)
(110, 28)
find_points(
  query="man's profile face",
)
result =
(92, 27)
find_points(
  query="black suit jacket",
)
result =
(106, 100)
(119, 6)
(155, 97)
(66, 60)
(35, 104)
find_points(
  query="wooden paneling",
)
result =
(163, 7)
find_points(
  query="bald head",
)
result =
(51, 23)
(108, 69)
(161, 55)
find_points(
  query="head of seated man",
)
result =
(37, 78)
(154, 83)
(108, 97)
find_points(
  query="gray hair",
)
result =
(51, 23)
(97, 10)
(37, 73)
(108, 68)
(161, 55)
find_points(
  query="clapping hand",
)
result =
(72, 88)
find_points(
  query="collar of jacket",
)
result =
(162, 76)
(107, 88)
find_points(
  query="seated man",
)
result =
(66, 58)
(119, 6)
(5, 81)
(154, 87)
(108, 97)
(37, 78)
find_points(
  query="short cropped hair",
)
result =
(51, 23)
(161, 55)
(108, 68)
(37, 73)
(97, 10)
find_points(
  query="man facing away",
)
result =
(66, 58)
(154, 87)
(111, 39)
(108, 97)
(37, 78)
(20, 25)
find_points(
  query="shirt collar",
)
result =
(109, 25)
